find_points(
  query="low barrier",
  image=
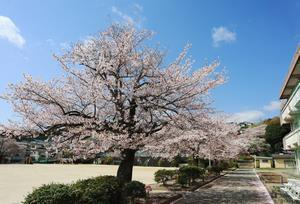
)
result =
(269, 177)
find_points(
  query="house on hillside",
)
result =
(290, 112)
(245, 124)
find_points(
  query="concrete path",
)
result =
(240, 186)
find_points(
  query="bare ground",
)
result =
(17, 180)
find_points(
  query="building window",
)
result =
(289, 163)
(264, 161)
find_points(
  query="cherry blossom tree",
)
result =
(257, 143)
(116, 94)
(212, 139)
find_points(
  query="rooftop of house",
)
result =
(263, 158)
(293, 76)
(283, 156)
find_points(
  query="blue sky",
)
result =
(253, 39)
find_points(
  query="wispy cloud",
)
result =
(255, 115)
(247, 116)
(139, 7)
(65, 45)
(9, 31)
(222, 35)
(51, 42)
(133, 15)
(125, 17)
(272, 106)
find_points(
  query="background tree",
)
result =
(275, 133)
(8, 149)
(214, 139)
(258, 144)
(116, 94)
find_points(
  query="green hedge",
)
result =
(102, 189)
(134, 189)
(51, 194)
(98, 190)
(188, 174)
(215, 169)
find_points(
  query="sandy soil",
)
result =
(17, 180)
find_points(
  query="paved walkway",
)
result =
(240, 186)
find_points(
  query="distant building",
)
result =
(35, 149)
(245, 124)
(264, 162)
(284, 161)
(290, 112)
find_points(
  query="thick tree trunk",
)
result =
(125, 169)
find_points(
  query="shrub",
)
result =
(215, 169)
(51, 194)
(163, 175)
(98, 190)
(182, 179)
(102, 189)
(224, 165)
(134, 189)
(188, 174)
(232, 164)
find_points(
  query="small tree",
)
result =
(188, 174)
(163, 175)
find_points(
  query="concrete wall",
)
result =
(279, 163)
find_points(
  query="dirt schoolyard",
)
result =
(17, 180)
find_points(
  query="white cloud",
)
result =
(51, 42)
(9, 31)
(247, 116)
(124, 16)
(138, 7)
(222, 34)
(273, 106)
(65, 45)
(255, 115)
